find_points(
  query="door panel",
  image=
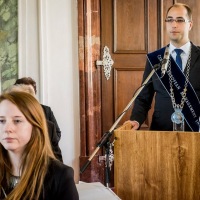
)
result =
(126, 16)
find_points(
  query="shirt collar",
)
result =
(185, 47)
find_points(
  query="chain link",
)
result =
(171, 79)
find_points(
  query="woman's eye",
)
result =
(17, 121)
(2, 121)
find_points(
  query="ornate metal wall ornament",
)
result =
(107, 62)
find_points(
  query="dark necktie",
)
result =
(178, 57)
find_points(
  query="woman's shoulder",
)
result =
(57, 167)
(59, 182)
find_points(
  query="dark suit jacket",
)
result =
(59, 183)
(54, 140)
(161, 119)
(50, 116)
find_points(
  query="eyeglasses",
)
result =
(178, 20)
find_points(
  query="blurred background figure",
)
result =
(47, 110)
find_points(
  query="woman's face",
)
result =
(15, 130)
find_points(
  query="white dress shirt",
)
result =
(184, 56)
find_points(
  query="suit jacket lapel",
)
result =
(194, 55)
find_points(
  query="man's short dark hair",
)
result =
(26, 81)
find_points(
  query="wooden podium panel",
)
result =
(155, 165)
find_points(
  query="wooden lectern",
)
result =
(156, 165)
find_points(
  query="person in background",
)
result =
(47, 110)
(177, 87)
(51, 126)
(28, 167)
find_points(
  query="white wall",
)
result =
(48, 52)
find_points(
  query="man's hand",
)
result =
(135, 125)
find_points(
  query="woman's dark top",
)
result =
(58, 183)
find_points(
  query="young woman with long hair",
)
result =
(28, 167)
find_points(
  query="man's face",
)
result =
(178, 25)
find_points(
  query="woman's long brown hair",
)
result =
(37, 153)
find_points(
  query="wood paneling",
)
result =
(157, 165)
(129, 38)
(125, 80)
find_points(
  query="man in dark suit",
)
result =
(50, 117)
(54, 140)
(168, 98)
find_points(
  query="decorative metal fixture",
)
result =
(107, 62)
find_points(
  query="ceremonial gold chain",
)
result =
(171, 78)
